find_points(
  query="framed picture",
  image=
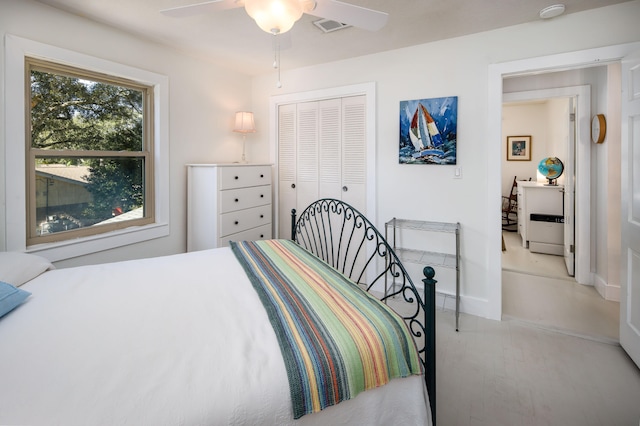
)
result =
(518, 148)
(429, 131)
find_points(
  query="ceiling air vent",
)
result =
(328, 26)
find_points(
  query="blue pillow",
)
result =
(10, 297)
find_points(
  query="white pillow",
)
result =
(18, 268)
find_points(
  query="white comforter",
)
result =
(177, 340)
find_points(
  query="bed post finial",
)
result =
(430, 353)
(293, 224)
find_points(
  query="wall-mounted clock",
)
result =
(598, 128)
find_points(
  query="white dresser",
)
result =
(227, 202)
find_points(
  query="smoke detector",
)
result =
(328, 25)
(552, 11)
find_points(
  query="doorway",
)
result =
(558, 119)
(540, 290)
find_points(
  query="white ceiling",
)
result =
(231, 37)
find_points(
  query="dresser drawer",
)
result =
(243, 176)
(241, 220)
(260, 233)
(244, 198)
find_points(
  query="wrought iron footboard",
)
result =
(344, 238)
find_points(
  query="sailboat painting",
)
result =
(428, 131)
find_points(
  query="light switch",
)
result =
(457, 173)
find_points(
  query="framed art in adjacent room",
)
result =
(518, 148)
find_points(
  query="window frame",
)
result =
(16, 189)
(32, 154)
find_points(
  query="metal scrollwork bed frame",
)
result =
(339, 234)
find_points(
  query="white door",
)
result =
(307, 154)
(330, 151)
(569, 190)
(286, 168)
(630, 207)
(354, 152)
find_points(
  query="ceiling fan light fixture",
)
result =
(275, 16)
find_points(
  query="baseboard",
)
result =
(606, 290)
(468, 305)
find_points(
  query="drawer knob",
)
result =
(261, 216)
(261, 235)
(261, 195)
(236, 178)
(236, 222)
(261, 176)
(236, 200)
(345, 189)
(293, 185)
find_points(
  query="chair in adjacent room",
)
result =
(510, 208)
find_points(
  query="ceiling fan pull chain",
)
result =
(276, 58)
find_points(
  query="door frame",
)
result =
(496, 73)
(582, 181)
(367, 89)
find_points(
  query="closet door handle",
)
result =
(345, 189)
(293, 185)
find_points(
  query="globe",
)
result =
(551, 168)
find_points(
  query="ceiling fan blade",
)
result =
(198, 8)
(361, 17)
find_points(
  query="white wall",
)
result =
(523, 120)
(203, 100)
(451, 67)
(607, 274)
(546, 123)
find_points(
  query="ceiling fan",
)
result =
(278, 16)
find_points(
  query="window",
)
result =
(17, 182)
(89, 153)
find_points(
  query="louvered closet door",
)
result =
(321, 154)
(307, 154)
(354, 153)
(286, 168)
(330, 158)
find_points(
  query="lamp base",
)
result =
(243, 160)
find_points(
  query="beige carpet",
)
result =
(536, 289)
(519, 259)
(560, 305)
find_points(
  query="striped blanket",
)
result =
(336, 340)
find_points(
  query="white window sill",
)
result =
(73, 248)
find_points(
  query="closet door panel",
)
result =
(354, 153)
(307, 154)
(286, 168)
(330, 149)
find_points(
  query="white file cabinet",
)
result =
(227, 202)
(536, 198)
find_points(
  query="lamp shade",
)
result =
(274, 16)
(244, 122)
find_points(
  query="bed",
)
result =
(188, 339)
